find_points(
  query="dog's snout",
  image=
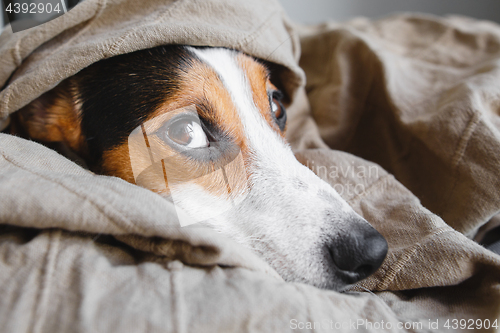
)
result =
(359, 253)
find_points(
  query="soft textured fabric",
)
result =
(418, 95)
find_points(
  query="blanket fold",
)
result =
(419, 96)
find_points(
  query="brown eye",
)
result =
(276, 108)
(188, 133)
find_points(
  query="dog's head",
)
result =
(205, 128)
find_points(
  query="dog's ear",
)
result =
(53, 117)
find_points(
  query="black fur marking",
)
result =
(119, 93)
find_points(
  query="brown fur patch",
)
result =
(258, 77)
(202, 90)
(53, 117)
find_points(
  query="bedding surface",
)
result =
(410, 104)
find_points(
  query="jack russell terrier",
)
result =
(205, 128)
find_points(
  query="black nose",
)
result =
(358, 253)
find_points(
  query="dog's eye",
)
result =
(187, 133)
(277, 109)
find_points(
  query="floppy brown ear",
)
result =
(53, 117)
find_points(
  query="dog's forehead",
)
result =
(247, 83)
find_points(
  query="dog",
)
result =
(213, 124)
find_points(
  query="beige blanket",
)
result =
(420, 96)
